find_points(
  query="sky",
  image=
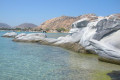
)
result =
(15, 12)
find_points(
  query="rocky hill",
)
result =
(60, 23)
(26, 26)
(4, 25)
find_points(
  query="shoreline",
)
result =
(81, 50)
(75, 47)
(91, 34)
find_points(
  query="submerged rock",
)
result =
(10, 34)
(115, 75)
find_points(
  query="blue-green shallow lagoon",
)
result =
(32, 61)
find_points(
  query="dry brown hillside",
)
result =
(63, 22)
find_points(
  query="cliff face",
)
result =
(3, 25)
(26, 26)
(59, 22)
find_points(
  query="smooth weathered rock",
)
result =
(68, 45)
(99, 35)
(73, 47)
(10, 34)
(106, 27)
(32, 37)
(20, 35)
(106, 52)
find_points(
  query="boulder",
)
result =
(31, 37)
(101, 37)
(115, 75)
(20, 35)
(10, 34)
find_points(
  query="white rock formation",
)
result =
(10, 34)
(98, 34)
(20, 35)
(30, 37)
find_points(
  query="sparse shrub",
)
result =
(17, 28)
(60, 29)
(47, 29)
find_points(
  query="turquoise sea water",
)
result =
(32, 61)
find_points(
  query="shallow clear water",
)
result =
(31, 61)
